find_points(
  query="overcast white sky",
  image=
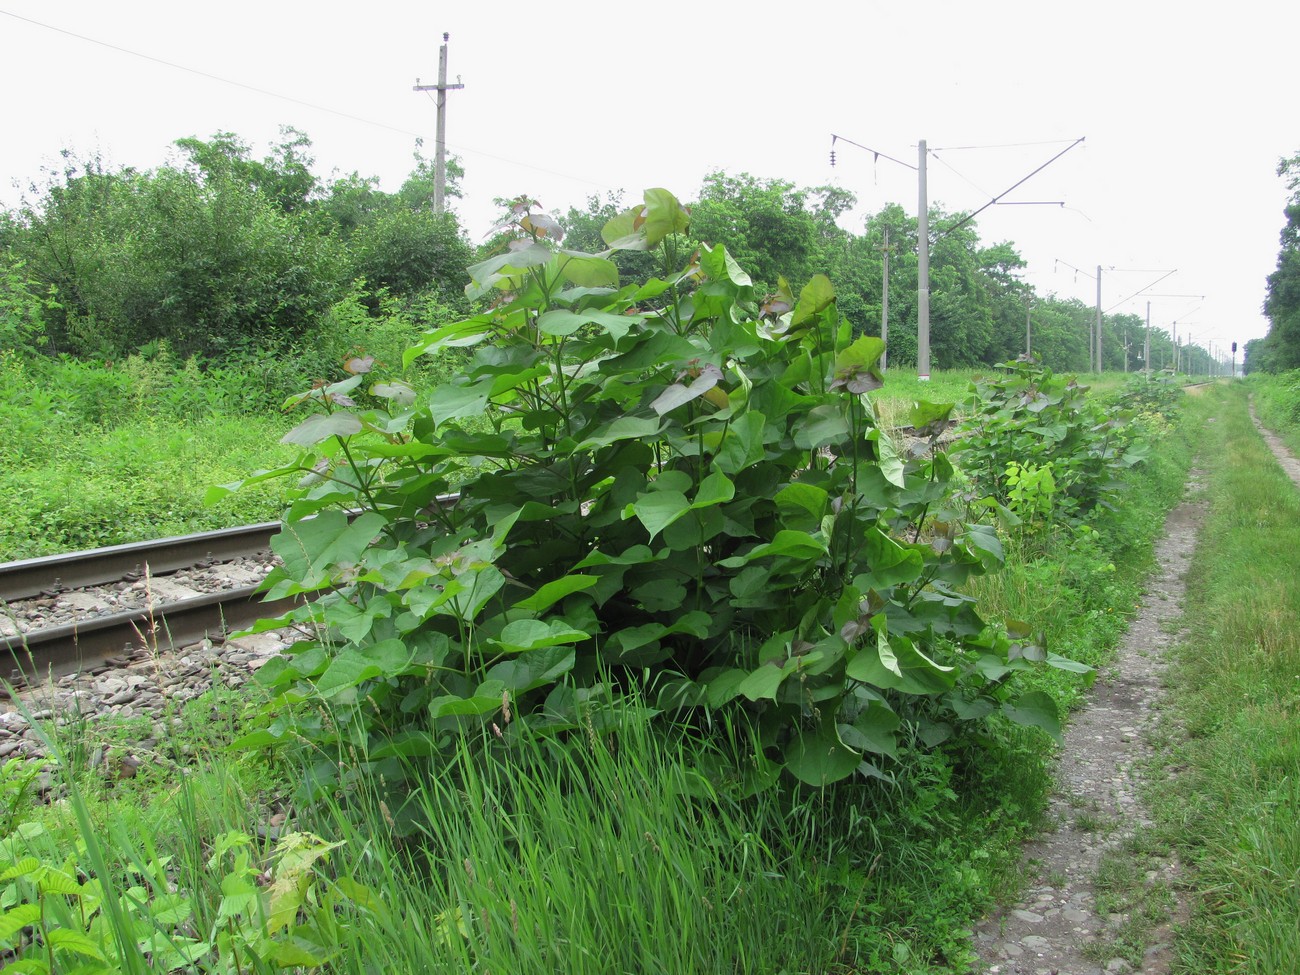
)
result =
(1186, 107)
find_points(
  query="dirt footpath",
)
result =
(1079, 915)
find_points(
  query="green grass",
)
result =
(98, 455)
(86, 486)
(1234, 808)
(1277, 401)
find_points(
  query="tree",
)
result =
(409, 251)
(201, 256)
(767, 224)
(1282, 306)
(284, 176)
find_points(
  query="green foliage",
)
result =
(406, 252)
(1031, 420)
(1280, 350)
(218, 254)
(98, 455)
(660, 478)
(201, 260)
(24, 305)
(1277, 400)
(60, 912)
(1030, 491)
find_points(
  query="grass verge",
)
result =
(1234, 808)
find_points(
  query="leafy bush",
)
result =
(665, 483)
(1031, 420)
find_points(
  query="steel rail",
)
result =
(72, 647)
(74, 570)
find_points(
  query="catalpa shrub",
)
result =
(671, 483)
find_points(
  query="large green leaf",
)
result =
(451, 401)
(488, 697)
(308, 549)
(720, 265)
(353, 665)
(802, 506)
(891, 564)
(522, 636)
(818, 757)
(504, 269)
(742, 445)
(623, 232)
(322, 426)
(563, 322)
(722, 684)
(659, 509)
(821, 426)
(766, 681)
(679, 394)
(874, 730)
(1035, 710)
(789, 543)
(716, 488)
(894, 663)
(530, 670)
(623, 428)
(816, 296)
(663, 215)
(587, 270)
(552, 592)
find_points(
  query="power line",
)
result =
(1141, 290)
(949, 166)
(296, 101)
(523, 165)
(210, 76)
(1005, 145)
(997, 198)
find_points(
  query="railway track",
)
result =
(172, 616)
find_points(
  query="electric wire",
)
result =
(875, 152)
(296, 101)
(212, 77)
(972, 216)
(949, 166)
(1140, 291)
(1005, 145)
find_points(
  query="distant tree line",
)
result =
(1280, 349)
(977, 304)
(220, 253)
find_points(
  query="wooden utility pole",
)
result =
(440, 159)
(1146, 348)
(922, 271)
(1098, 342)
(884, 306)
(1029, 348)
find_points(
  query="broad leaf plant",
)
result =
(678, 484)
